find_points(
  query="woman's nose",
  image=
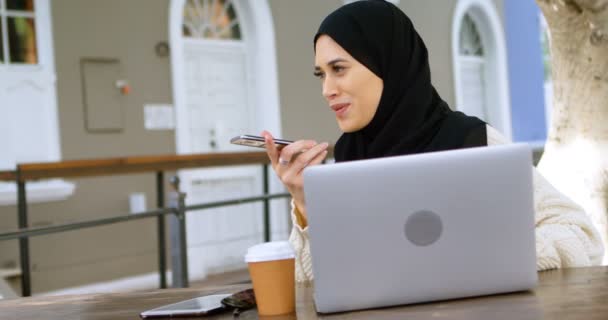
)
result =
(330, 89)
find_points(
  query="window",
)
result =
(211, 19)
(470, 40)
(28, 99)
(18, 32)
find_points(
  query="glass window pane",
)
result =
(194, 18)
(470, 39)
(231, 13)
(21, 5)
(235, 30)
(22, 40)
(212, 19)
(186, 31)
(219, 20)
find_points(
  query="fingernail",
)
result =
(325, 144)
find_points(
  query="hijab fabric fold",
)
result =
(411, 116)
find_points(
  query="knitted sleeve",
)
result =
(299, 242)
(565, 236)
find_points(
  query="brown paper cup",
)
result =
(272, 271)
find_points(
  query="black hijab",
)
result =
(411, 116)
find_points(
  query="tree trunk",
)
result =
(576, 154)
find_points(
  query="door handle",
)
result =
(212, 139)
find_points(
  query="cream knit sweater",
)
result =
(565, 236)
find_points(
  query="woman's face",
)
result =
(352, 91)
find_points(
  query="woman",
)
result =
(375, 76)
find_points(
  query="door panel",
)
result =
(217, 94)
(221, 236)
(218, 108)
(472, 71)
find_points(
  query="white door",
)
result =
(215, 96)
(472, 71)
(28, 107)
(480, 63)
(472, 79)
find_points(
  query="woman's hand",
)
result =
(290, 161)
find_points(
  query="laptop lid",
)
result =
(420, 228)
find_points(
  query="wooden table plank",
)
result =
(578, 293)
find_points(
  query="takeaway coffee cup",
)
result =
(271, 267)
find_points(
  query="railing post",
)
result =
(24, 246)
(266, 204)
(177, 234)
(160, 222)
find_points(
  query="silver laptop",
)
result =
(421, 228)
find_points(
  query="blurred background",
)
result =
(85, 79)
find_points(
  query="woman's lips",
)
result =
(340, 108)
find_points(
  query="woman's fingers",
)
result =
(289, 161)
(271, 149)
(306, 158)
(292, 151)
(318, 159)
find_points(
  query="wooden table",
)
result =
(578, 293)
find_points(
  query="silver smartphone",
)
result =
(257, 141)
(188, 308)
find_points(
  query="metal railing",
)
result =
(176, 209)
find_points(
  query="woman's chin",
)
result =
(343, 126)
(348, 127)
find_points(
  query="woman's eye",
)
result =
(319, 75)
(338, 68)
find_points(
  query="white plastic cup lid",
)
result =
(277, 250)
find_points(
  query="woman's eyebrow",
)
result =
(331, 63)
(334, 61)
